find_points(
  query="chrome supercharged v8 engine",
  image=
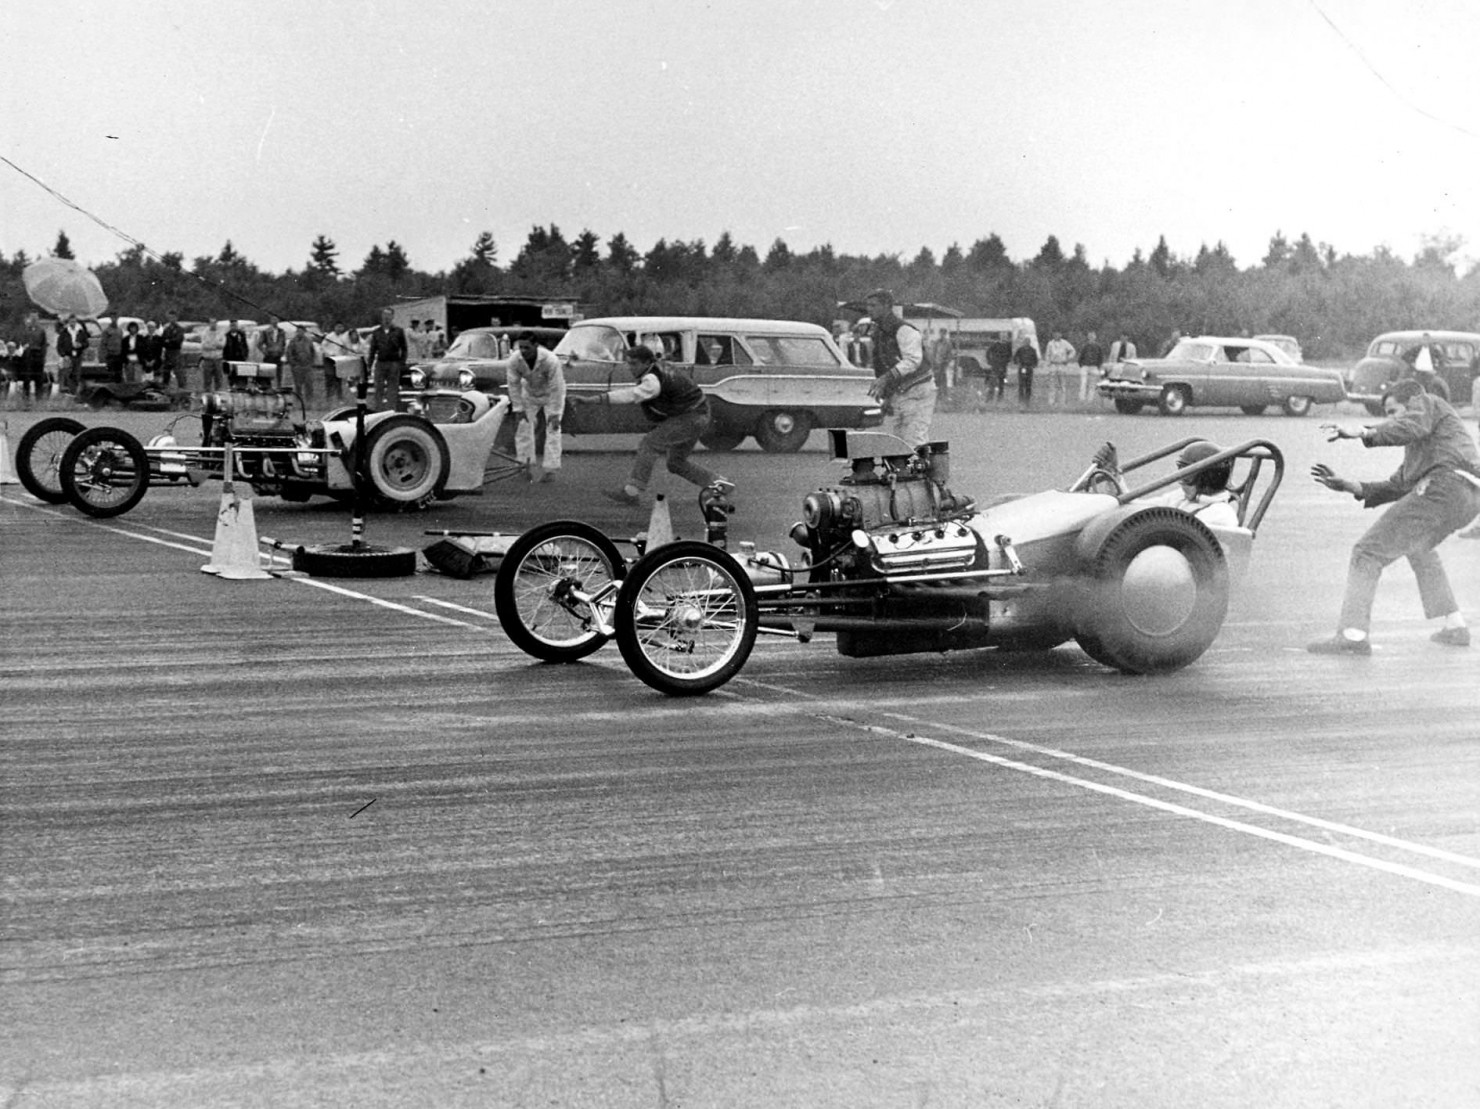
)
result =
(893, 521)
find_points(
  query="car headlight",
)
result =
(418, 378)
(1145, 374)
(465, 379)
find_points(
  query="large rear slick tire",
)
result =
(686, 618)
(1157, 593)
(535, 591)
(38, 457)
(104, 472)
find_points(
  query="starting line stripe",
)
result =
(1341, 853)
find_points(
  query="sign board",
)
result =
(558, 311)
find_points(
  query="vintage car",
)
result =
(893, 562)
(439, 449)
(1455, 356)
(477, 359)
(776, 380)
(1210, 371)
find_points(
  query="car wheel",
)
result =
(1174, 400)
(407, 461)
(722, 439)
(104, 472)
(38, 457)
(1127, 407)
(1252, 409)
(1157, 593)
(783, 431)
(686, 618)
(548, 588)
(1297, 406)
(349, 561)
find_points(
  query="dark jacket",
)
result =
(676, 396)
(385, 344)
(234, 347)
(151, 349)
(173, 336)
(1025, 358)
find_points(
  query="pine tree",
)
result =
(323, 255)
(63, 249)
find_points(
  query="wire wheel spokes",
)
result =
(686, 618)
(555, 590)
(550, 584)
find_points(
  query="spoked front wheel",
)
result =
(686, 618)
(555, 590)
(104, 471)
(38, 457)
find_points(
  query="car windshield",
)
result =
(792, 350)
(593, 343)
(1190, 350)
(474, 344)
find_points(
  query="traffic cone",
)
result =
(234, 554)
(660, 525)
(7, 471)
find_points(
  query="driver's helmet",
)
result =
(1214, 479)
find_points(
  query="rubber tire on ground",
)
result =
(121, 442)
(396, 441)
(1297, 406)
(1173, 400)
(1112, 630)
(1127, 407)
(722, 439)
(349, 562)
(506, 589)
(783, 430)
(44, 482)
(727, 575)
(1252, 409)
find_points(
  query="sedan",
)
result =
(1210, 371)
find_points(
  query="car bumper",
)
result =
(1129, 390)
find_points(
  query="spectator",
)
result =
(536, 395)
(433, 340)
(1091, 363)
(235, 347)
(942, 355)
(679, 413)
(110, 349)
(173, 338)
(1166, 348)
(212, 351)
(1025, 358)
(1122, 350)
(1435, 491)
(72, 342)
(1060, 355)
(151, 345)
(385, 358)
(29, 364)
(904, 381)
(999, 357)
(337, 344)
(273, 342)
(133, 354)
(301, 356)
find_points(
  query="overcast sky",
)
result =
(876, 126)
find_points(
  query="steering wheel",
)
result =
(1101, 480)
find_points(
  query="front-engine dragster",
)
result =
(892, 561)
(442, 446)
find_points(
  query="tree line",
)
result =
(1332, 303)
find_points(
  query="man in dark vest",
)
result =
(904, 380)
(679, 413)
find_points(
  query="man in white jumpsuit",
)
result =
(536, 392)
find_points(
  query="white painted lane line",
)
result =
(457, 608)
(1153, 779)
(1466, 888)
(409, 611)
